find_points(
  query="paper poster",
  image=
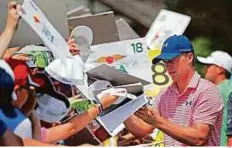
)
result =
(129, 56)
(166, 23)
(44, 29)
(102, 24)
(125, 31)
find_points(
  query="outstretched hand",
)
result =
(73, 47)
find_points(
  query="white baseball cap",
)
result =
(83, 37)
(83, 31)
(51, 109)
(219, 58)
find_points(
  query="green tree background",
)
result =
(210, 28)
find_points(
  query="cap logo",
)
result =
(165, 45)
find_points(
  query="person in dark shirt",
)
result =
(229, 120)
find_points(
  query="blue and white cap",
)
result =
(173, 47)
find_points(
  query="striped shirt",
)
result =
(200, 103)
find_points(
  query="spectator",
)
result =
(50, 104)
(218, 68)
(16, 121)
(189, 111)
(13, 117)
(7, 138)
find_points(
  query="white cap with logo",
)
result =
(219, 58)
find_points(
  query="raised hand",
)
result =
(13, 15)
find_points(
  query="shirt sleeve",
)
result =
(229, 116)
(208, 108)
(24, 129)
(43, 134)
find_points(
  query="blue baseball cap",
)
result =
(173, 47)
(7, 78)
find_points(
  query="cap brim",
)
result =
(31, 82)
(83, 31)
(44, 82)
(205, 60)
(165, 56)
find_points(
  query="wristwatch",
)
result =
(100, 107)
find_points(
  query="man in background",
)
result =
(218, 67)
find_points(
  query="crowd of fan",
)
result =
(192, 111)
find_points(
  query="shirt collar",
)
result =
(192, 84)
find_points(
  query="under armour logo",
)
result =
(165, 45)
(188, 103)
